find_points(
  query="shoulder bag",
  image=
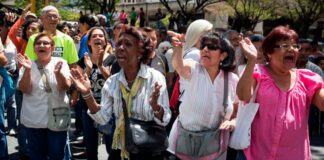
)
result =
(241, 136)
(58, 111)
(143, 136)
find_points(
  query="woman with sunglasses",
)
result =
(279, 129)
(202, 108)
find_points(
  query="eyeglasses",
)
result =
(45, 43)
(54, 17)
(209, 46)
(287, 46)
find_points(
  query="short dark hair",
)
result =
(225, 46)
(143, 41)
(256, 38)
(90, 20)
(277, 34)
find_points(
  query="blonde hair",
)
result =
(196, 30)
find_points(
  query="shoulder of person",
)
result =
(59, 59)
(59, 34)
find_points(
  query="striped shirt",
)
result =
(111, 101)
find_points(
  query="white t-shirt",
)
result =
(10, 52)
(202, 106)
(34, 111)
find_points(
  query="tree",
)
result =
(304, 13)
(189, 7)
(92, 5)
(249, 12)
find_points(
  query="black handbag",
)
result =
(143, 136)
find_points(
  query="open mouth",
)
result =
(289, 59)
(41, 51)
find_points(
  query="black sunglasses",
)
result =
(209, 46)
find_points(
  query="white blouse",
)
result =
(111, 101)
(202, 104)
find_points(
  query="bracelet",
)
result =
(87, 96)
(157, 112)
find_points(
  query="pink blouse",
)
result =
(280, 127)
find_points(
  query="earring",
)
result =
(139, 58)
(221, 63)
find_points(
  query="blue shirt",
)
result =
(83, 46)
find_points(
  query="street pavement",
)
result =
(317, 148)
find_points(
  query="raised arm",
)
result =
(246, 82)
(15, 28)
(182, 68)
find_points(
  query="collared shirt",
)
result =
(280, 128)
(111, 102)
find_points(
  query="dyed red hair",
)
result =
(280, 33)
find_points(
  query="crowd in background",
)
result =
(176, 80)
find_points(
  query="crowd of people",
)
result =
(153, 93)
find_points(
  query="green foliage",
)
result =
(68, 15)
(249, 12)
(21, 3)
(303, 13)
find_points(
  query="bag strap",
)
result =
(48, 88)
(252, 100)
(225, 99)
(126, 118)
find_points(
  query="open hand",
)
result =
(81, 82)
(155, 94)
(248, 49)
(26, 10)
(11, 17)
(24, 61)
(58, 67)
(228, 125)
(87, 60)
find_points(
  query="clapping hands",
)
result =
(24, 61)
(81, 82)
(155, 94)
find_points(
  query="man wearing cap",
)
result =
(64, 44)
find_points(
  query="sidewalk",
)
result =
(317, 147)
